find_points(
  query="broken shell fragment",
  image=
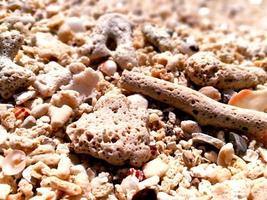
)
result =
(14, 162)
(256, 100)
(226, 155)
(200, 137)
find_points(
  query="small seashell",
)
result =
(251, 156)
(250, 99)
(14, 162)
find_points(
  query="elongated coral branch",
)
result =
(205, 110)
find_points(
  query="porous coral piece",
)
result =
(116, 132)
(84, 82)
(204, 69)
(159, 37)
(231, 189)
(259, 189)
(205, 110)
(250, 99)
(12, 76)
(112, 36)
(55, 76)
(66, 97)
(59, 116)
(101, 186)
(65, 186)
(49, 48)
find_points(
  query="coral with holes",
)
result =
(12, 76)
(204, 109)
(112, 37)
(205, 69)
(157, 36)
(49, 82)
(115, 132)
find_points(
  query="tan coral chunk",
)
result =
(259, 189)
(205, 69)
(12, 76)
(55, 76)
(205, 110)
(256, 100)
(232, 189)
(84, 82)
(65, 186)
(115, 132)
(112, 37)
(159, 37)
(59, 116)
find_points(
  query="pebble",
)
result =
(226, 155)
(239, 143)
(259, 189)
(190, 126)
(231, 189)
(146, 193)
(211, 156)
(138, 100)
(156, 167)
(29, 122)
(164, 196)
(263, 154)
(188, 159)
(76, 24)
(109, 67)
(204, 138)
(211, 92)
(149, 182)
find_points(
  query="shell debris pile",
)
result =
(131, 100)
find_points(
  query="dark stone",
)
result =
(239, 143)
(145, 194)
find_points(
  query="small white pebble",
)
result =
(156, 167)
(5, 190)
(138, 100)
(148, 182)
(109, 67)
